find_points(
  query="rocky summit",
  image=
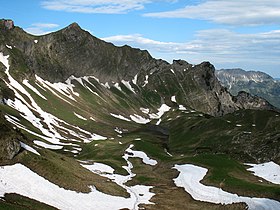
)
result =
(89, 125)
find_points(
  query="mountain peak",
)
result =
(6, 24)
(74, 25)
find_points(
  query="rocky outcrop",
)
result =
(9, 140)
(6, 24)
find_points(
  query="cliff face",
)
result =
(73, 51)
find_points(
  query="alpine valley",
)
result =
(88, 125)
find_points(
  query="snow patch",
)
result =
(120, 117)
(141, 155)
(79, 116)
(145, 110)
(28, 148)
(118, 130)
(158, 122)
(164, 108)
(127, 84)
(117, 86)
(182, 108)
(146, 81)
(8, 46)
(139, 119)
(173, 99)
(27, 84)
(35, 41)
(269, 171)
(190, 177)
(47, 146)
(134, 80)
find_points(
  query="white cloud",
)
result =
(41, 28)
(97, 6)
(237, 12)
(224, 48)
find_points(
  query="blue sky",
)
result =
(228, 33)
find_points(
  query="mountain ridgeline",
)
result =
(72, 51)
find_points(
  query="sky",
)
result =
(228, 33)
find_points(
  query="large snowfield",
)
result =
(32, 185)
(21, 180)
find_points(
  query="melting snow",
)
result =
(47, 146)
(118, 86)
(28, 148)
(146, 81)
(8, 46)
(164, 108)
(172, 71)
(140, 154)
(139, 194)
(238, 125)
(26, 83)
(32, 185)
(173, 99)
(127, 84)
(182, 108)
(139, 119)
(95, 137)
(145, 110)
(79, 116)
(118, 130)
(120, 117)
(134, 81)
(190, 177)
(158, 122)
(46, 122)
(269, 171)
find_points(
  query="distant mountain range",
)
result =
(254, 82)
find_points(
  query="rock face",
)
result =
(9, 140)
(73, 51)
